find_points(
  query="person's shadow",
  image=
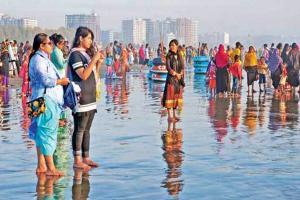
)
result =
(81, 185)
(173, 155)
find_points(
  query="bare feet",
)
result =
(54, 172)
(170, 119)
(90, 163)
(41, 170)
(81, 165)
(177, 119)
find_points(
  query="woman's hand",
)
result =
(101, 54)
(178, 76)
(96, 57)
(63, 81)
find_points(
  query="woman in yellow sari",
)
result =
(250, 64)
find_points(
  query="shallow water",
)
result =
(225, 148)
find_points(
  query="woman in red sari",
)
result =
(172, 98)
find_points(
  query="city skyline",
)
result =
(233, 16)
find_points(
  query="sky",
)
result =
(240, 17)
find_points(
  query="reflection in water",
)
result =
(218, 111)
(156, 89)
(117, 94)
(4, 110)
(222, 113)
(250, 115)
(292, 110)
(45, 186)
(262, 110)
(26, 120)
(173, 155)
(25, 124)
(61, 155)
(284, 112)
(225, 115)
(81, 185)
(236, 109)
(199, 85)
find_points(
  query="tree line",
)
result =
(23, 34)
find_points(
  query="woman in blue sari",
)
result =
(45, 82)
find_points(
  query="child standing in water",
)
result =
(283, 77)
(211, 74)
(109, 63)
(236, 71)
(262, 72)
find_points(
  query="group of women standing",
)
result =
(284, 66)
(47, 72)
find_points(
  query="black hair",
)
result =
(92, 50)
(238, 44)
(37, 41)
(286, 47)
(81, 32)
(56, 38)
(279, 46)
(173, 41)
(294, 46)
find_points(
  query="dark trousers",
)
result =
(81, 135)
(235, 85)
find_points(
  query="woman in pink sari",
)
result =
(142, 55)
(24, 73)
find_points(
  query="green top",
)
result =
(58, 60)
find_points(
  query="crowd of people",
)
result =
(50, 65)
(278, 65)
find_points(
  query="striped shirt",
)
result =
(87, 101)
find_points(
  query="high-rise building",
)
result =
(167, 27)
(226, 39)
(195, 33)
(187, 31)
(127, 31)
(6, 20)
(117, 36)
(169, 37)
(91, 21)
(107, 37)
(134, 31)
(153, 32)
(29, 23)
